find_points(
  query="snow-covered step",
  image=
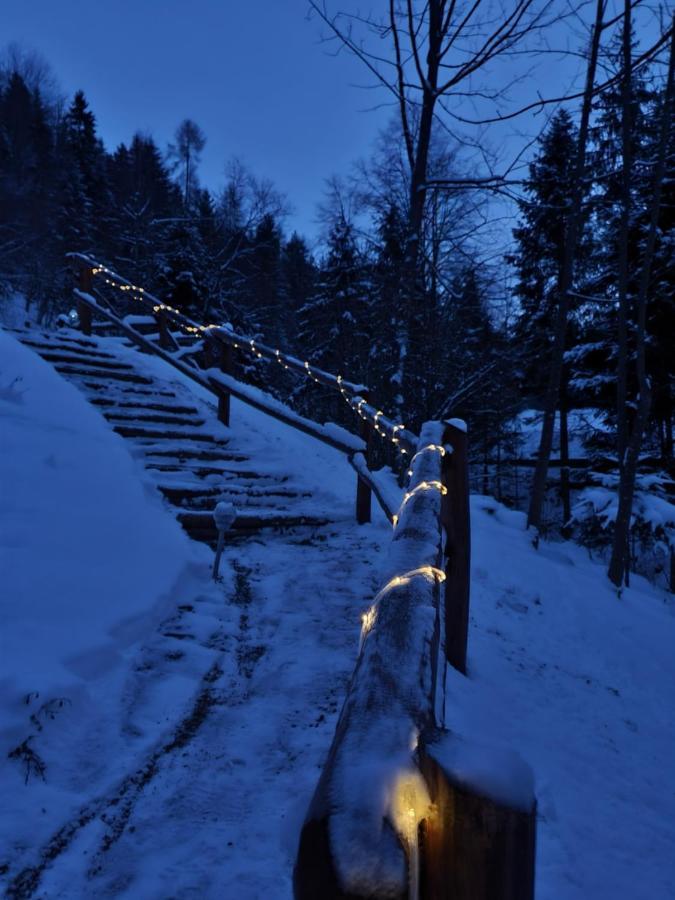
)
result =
(200, 525)
(203, 471)
(180, 456)
(70, 348)
(155, 435)
(52, 338)
(131, 407)
(129, 417)
(244, 502)
(103, 375)
(67, 358)
(194, 492)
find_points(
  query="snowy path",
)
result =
(216, 811)
(187, 728)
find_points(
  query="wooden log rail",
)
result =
(405, 808)
(227, 342)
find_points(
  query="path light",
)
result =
(223, 515)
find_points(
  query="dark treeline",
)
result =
(474, 337)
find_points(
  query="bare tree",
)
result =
(33, 68)
(184, 155)
(435, 51)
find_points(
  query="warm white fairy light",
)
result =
(430, 572)
(99, 269)
(422, 487)
(368, 620)
(434, 448)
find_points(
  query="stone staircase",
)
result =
(192, 459)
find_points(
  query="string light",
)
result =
(368, 620)
(425, 486)
(435, 448)
(429, 572)
(195, 329)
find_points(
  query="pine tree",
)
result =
(540, 249)
(387, 323)
(298, 278)
(333, 325)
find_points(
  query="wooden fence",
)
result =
(402, 808)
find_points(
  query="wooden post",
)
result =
(473, 848)
(226, 366)
(456, 522)
(363, 493)
(165, 341)
(83, 310)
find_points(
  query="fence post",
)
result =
(226, 363)
(363, 493)
(456, 522)
(83, 310)
(474, 847)
(165, 341)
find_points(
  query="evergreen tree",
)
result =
(333, 325)
(540, 249)
(298, 278)
(386, 317)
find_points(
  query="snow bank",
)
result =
(71, 500)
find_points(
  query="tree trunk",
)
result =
(622, 317)
(413, 287)
(571, 239)
(564, 454)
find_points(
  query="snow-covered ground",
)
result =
(182, 724)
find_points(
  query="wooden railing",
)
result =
(219, 344)
(405, 806)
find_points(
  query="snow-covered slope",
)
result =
(582, 684)
(195, 717)
(86, 553)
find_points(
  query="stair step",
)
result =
(113, 375)
(66, 348)
(201, 527)
(180, 457)
(165, 419)
(180, 493)
(206, 471)
(112, 405)
(149, 434)
(70, 360)
(58, 336)
(244, 502)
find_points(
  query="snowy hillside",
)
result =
(161, 735)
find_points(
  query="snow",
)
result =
(581, 684)
(72, 500)
(491, 771)
(183, 723)
(459, 424)
(581, 423)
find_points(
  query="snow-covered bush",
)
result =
(652, 524)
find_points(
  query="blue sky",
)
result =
(255, 76)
